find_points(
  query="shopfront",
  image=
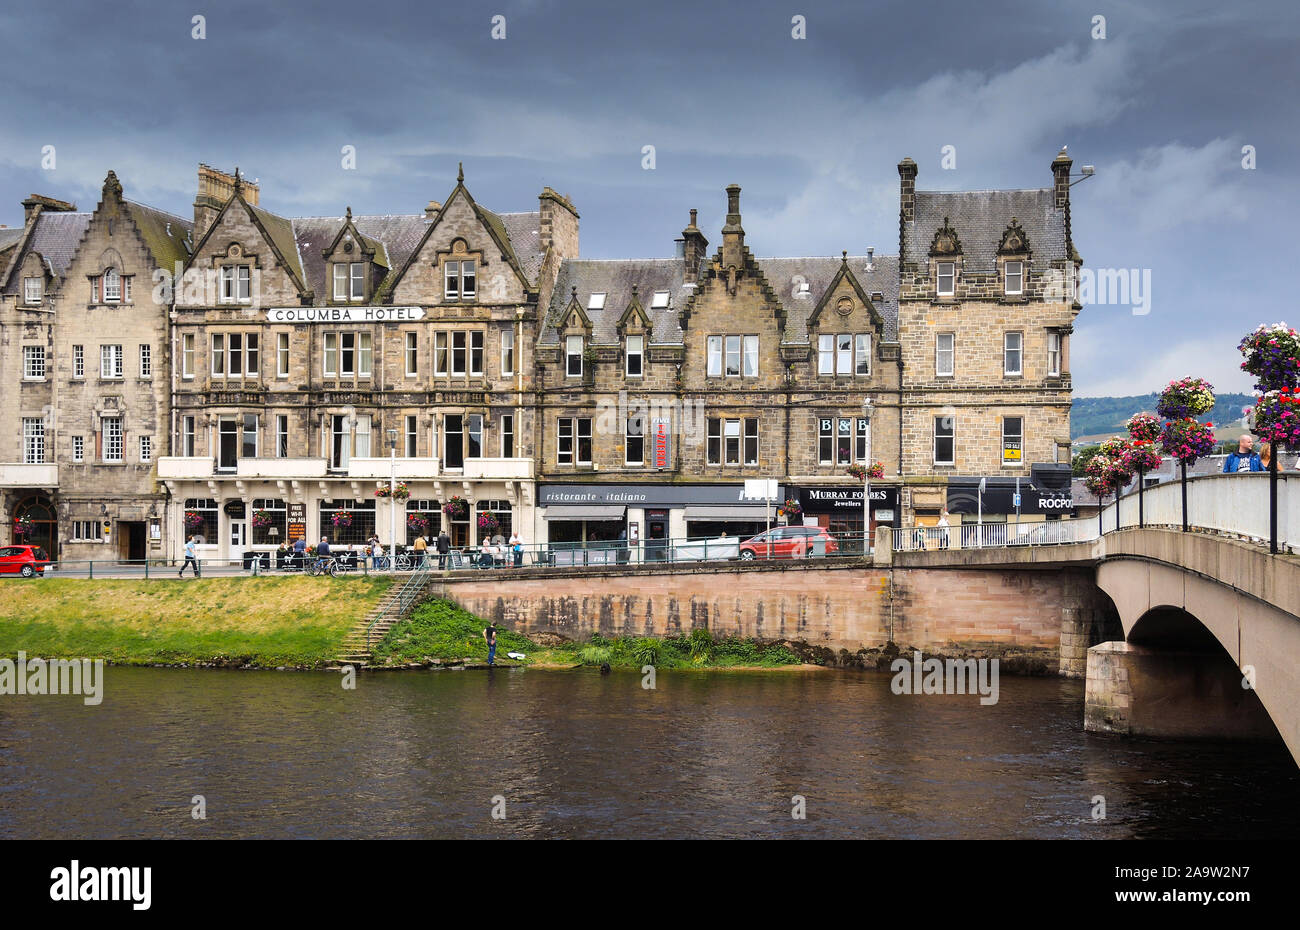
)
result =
(1045, 495)
(838, 508)
(649, 518)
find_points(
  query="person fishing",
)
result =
(490, 635)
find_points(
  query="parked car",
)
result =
(788, 542)
(27, 561)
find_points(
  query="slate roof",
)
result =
(167, 236)
(280, 230)
(785, 274)
(615, 279)
(395, 238)
(10, 237)
(525, 233)
(56, 237)
(980, 217)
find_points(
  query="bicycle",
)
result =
(325, 565)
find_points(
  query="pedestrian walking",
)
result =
(943, 530)
(191, 558)
(444, 547)
(490, 634)
(1243, 459)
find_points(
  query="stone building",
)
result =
(319, 356)
(89, 344)
(297, 365)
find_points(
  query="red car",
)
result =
(788, 542)
(27, 561)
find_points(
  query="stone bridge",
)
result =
(1167, 627)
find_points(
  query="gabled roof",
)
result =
(820, 273)
(980, 218)
(55, 237)
(525, 235)
(279, 230)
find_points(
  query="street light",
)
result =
(392, 496)
(866, 481)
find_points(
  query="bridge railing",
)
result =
(993, 535)
(1236, 505)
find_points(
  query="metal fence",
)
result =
(993, 535)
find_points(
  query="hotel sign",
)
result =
(344, 314)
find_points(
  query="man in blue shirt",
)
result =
(1244, 459)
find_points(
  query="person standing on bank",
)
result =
(490, 635)
(444, 546)
(1243, 459)
(191, 558)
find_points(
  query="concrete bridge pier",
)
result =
(1141, 691)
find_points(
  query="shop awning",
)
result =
(732, 512)
(585, 512)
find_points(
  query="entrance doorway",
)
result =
(43, 528)
(238, 540)
(131, 540)
(656, 535)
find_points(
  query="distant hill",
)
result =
(1092, 415)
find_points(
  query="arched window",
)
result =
(112, 286)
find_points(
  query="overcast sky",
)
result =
(811, 129)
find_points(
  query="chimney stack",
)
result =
(557, 224)
(694, 248)
(431, 211)
(907, 190)
(1061, 179)
(215, 188)
(733, 234)
(37, 204)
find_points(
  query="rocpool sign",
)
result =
(1001, 498)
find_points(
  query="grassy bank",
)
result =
(441, 630)
(265, 622)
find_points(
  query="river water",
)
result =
(575, 754)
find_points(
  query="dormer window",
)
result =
(946, 273)
(659, 301)
(33, 290)
(573, 356)
(596, 301)
(459, 280)
(112, 286)
(1014, 278)
(349, 280)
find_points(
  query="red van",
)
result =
(28, 561)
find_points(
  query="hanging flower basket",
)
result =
(488, 521)
(261, 519)
(22, 525)
(1186, 397)
(861, 472)
(193, 519)
(418, 522)
(790, 509)
(1112, 448)
(1273, 356)
(341, 519)
(1140, 455)
(1186, 440)
(1277, 417)
(1098, 471)
(455, 507)
(400, 492)
(1143, 427)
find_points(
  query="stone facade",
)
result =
(290, 349)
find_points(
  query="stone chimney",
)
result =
(215, 188)
(694, 248)
(733, 234)
(431, 211)
(37, 204)
(907, 190)
(558, 224)
(1061, 179)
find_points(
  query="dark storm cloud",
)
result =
(811, 129)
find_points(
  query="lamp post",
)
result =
(866, 481)
(392, 497)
